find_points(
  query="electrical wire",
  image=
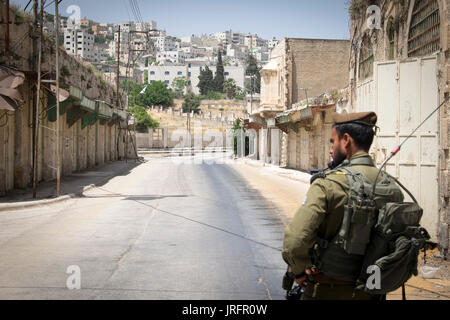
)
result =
(139, 11)
(25, 9)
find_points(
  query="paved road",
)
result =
(165, 231)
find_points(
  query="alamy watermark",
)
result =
(73, 282)
(374, 280)
(373, 14)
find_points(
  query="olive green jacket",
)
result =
(320, 215)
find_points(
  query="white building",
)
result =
(175, 57)
(100, 53)
(78, 42)
(127, 27)
(146, 26)
(168, 73)
(253, 41)
(272, 43)
(192, 40)
(223, 37)
(193, 51)
(237, 38)
(165, 43)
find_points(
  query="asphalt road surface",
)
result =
(167, 230)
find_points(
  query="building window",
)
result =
(167, 81)
(189, 73)
(152, 73)
(180, 73)
(366, 59)
(167, 73)
(227, 73)
(424, 31)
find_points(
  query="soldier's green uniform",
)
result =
(321, 216)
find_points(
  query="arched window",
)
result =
(391, 38)
(424, 31)
(366, 59)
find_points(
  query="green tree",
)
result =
(253, 70)
(239, 94)
(220, 74)
(206, 81)
(191, 103)
(157, 94)
(134, 92)
(143, 119)
(229, 88)
(179, 84)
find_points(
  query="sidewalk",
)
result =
(417, 288)
(282, 172)
(72, 185)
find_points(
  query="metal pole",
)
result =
(7, 26)
(118, 69)
(36, 111)
(251, 95)
(126, 140)
(58, 145)
(35, 12)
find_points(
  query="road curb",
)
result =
(14, 206)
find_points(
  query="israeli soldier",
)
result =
(322, 210)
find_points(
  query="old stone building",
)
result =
(91, 124)
(297, 69)
(399, 68)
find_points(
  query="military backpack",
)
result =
(379, 233)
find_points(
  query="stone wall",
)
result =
(80, 148)
(317, 64)
(399, 13)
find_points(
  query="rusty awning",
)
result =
(251, 125)
(10, 96)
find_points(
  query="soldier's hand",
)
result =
(308, 272)
(302, 282)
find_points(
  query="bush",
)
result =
(158, 94)
(214, 95)
(191, 103)
(143, 119)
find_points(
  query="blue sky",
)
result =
(277, 18)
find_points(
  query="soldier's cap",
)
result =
(363, 118)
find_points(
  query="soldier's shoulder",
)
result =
(330, 177)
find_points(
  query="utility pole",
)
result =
(251, 94)
(36, 111)
(58, 144)
(7, 26)
(118, 68)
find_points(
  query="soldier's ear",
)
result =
(346, 139)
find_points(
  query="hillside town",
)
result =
(126, 152)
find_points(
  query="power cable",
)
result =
(136, 4)
(195, 221)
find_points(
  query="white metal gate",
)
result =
(406, 92)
